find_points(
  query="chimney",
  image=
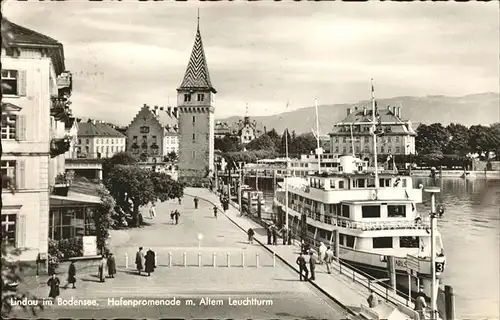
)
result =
(348, 111)
(399, 112)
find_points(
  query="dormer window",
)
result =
(187, 97)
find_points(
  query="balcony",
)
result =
(59, 146)
(60, 109)
(65, 83)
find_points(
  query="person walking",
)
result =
(180, 200)
(269, 235)
(284, 234)
(328, 259)
(372, 300)
(289, 237)
(102, 267)
(250, 233)
(215, 212)
(421, 306)
(312, 265)
(176, 216)
(54, 283)
(139, 258)
(111, 266)
(152, 212)
(71, 275)
(301, 261)
(149, 264)
(321, 251)
(195, 200)
(275, 236)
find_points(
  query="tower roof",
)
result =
(197, 76)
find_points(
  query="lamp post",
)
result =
(433, 191)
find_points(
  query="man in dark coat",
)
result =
(289, 238)
(54, 283)
(215, 212)
(312, 265)
(275, 236)
(71, 275)
(269, 235)
(149, 265)
(139, 258)
(304, 273)
(250, 234)
(284, 234)
(176, 216)
(196, 202)
(111, 266)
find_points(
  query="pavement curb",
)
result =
(347, 309)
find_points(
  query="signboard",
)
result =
(412, 265)
(89, 245)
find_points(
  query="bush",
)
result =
(55, 255)
(64, 249)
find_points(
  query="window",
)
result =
(404, 183)
(134, 139)
(201, 97)
(194, 137)
(145, 139)
(187, 97)
(66, 223)
(9, 170)
(154, 139)
(398, 150)
(345, 211)
(382, 150)
(341, 184)
(336, 149)
(8, 127)
(344, 139)
(332, 184)
(9, 229)
(397, 138)
(361, 183)
(86, 141)
(9, 82)
(79, 141)
(370, 211)
(367, 139)
(112, 149)
(144, 129)
(350, 241)
(396, 211)
(409, 242)
(98, 149)
(382, 243)
(194, 119)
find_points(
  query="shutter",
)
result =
(20, 174)
(21, 83)
(20, 231)
(21, 128)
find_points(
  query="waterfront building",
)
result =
(245, 129)
(352, 135)
(153, 134)
(195, 101)
(98, 140)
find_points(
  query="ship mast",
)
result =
(374, 126)
(318, 150)
(286, 177)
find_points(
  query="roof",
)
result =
(197, 75)
(166, 120)
(90, 129)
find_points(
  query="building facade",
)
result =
(98, 140)
(153, 134)
(195, 101)
(353, 136)
(245, 129)
(35, 86)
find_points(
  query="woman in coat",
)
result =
(54, 283)
(72, 274)
(139, 257)
(111, 266)
(250, 233)
(149, 265)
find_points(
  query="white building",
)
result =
(98, 140)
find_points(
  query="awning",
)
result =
(74, 198)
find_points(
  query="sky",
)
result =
(129, 53)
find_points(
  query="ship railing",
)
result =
(377, 225)
(378, 286)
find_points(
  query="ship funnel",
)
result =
(347, 164)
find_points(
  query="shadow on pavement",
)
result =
(91, 280)
(292, 280)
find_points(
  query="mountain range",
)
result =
(482, 108)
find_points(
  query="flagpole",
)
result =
(374, 123)
(286, 176)
(318, 152)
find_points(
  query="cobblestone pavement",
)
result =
(291, 299)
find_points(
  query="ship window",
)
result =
(404, 183)
(382, 243)
(396, 211)
(345, 211)
(311, 229)
(332, 184)
(341, 238)
(350, 241)
(361, 183)
(409, 242)
(341, 184)
(370, 211)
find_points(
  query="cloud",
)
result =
(125, 54)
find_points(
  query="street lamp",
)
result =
(433, 191)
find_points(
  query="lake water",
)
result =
(471, 234)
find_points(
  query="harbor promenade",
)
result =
(343, 285)
(272, 289)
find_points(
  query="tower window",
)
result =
(187, 97)
(201, 97)
(194, 119)
(194, 137)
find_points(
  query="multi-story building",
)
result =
(98, 140)
(35, 86)
(195, 101)
(153, 134)
(353, 136)
(245, 129)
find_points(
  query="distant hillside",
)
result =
(483, 108)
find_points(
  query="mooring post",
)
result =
(228, 256)
(214, 261)
(184, 258)
(199, 259)
(256, 259)
(243, 259)
(274, 259)
(126, 260)
(449, 298)
(170, 259)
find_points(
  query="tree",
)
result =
(275, 137)
(459, 143)
(165, 187)
(495, 133)
(103, 217)
(12, 275)
(432, 140)
(483, 140)
(120, 158)
(171, 157)
(263, 142)
(304, 144)
(286, 135)
(228, 143)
